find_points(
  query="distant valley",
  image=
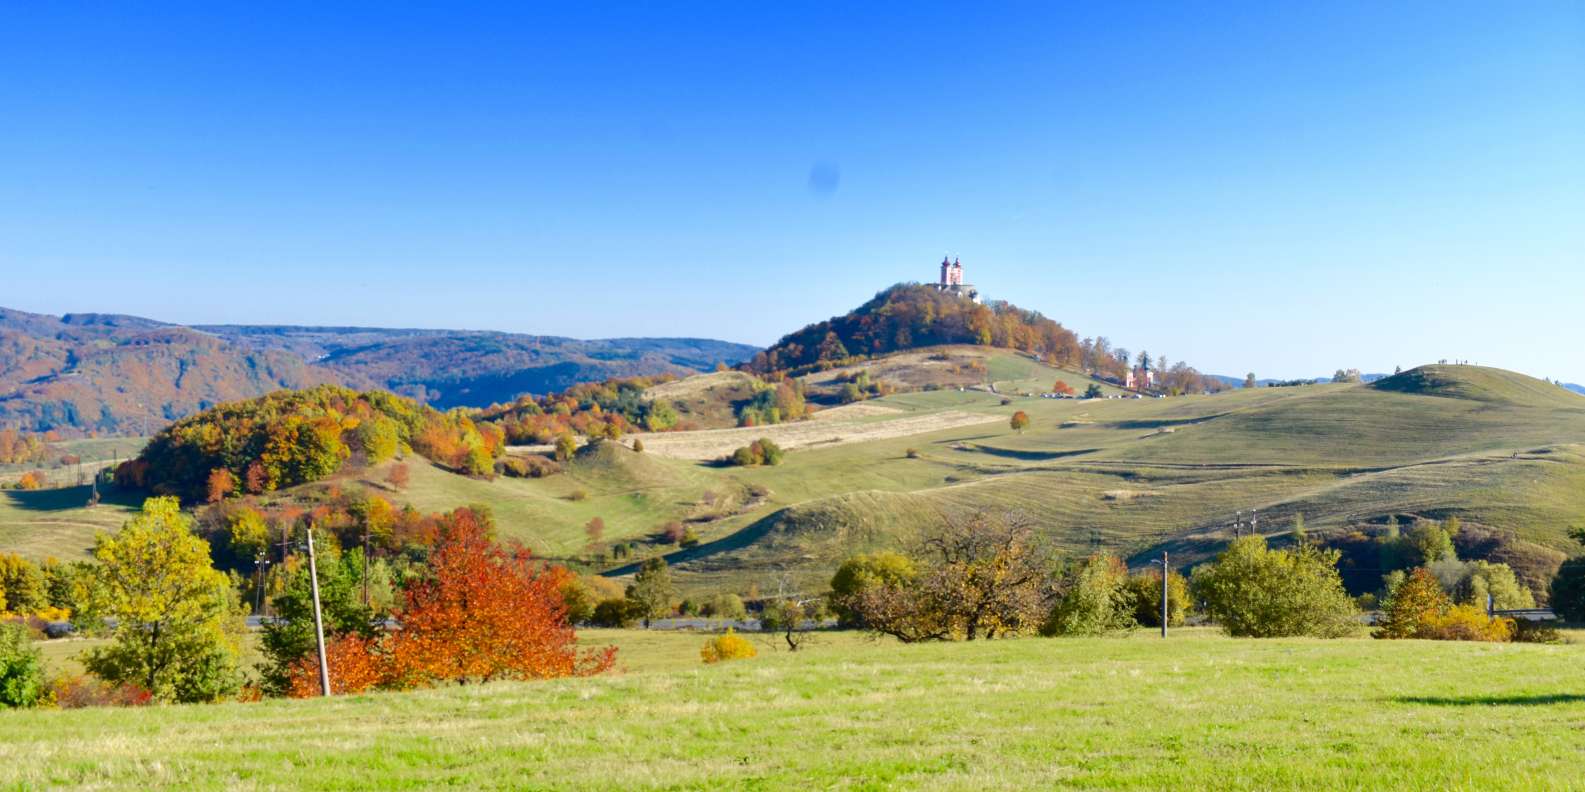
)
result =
(111, 373)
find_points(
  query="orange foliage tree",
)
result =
(483, 612)
(1062, 388)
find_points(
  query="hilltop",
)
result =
(117, 374)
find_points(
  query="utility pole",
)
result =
(319, 621)
(1165, 571)
(365, 563)
(260, 561)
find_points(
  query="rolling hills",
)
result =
(117, 374)
(1503, 452)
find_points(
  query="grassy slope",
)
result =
(1135, 476)
(1192, 712)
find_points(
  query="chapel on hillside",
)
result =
(952, 280)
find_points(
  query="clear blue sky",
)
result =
(1247, 187)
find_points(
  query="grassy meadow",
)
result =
(1195, 711)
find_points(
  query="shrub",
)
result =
(615, 612)
(1568, 590)
(75, 692)
(21, 668)
(763, 451)
(724, 606)
(912, 453)
(727, 646)
(638, 446)
(32, 480)
(1254, 591)
(578, 495)
(1144, 590)
(22, 585)
(398, 475)
(862, 572)
(1095, 600)
(1469, 623)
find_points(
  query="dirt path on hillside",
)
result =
(711, 444)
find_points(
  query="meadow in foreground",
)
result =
(1195, 711)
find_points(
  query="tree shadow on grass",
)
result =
(1031, 456)
(63, 498)
(1494, 701)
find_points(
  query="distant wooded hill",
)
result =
(122, 374)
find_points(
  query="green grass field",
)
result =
(1196, 711)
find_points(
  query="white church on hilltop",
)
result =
(952, 280)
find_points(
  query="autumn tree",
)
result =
(177, 618)
(398, 475)
(1062, 388)
(595, 530)
(287, 641)
(486, 611)
(22, 585)
(221, 485)
(984, 576)
(1020, 421)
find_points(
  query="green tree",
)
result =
(1093, 392)
(652, 590)
(177, 618)
(250, 534)
(862, 572)
(1094, 600)
(290, 636)
(1429, 542)
(1254, 591)
(566, 446)
(379, 437)
(1482, 578)
(659, 415)
(1144, 591)
(21, 585)
(1568, 590)
(21, 668)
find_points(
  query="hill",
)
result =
(911, 315)
(1502, 452)
(117, 374)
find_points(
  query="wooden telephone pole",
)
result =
(319, 621)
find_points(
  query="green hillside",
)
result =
(1135, 476)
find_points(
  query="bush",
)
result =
(1095, 600)
(616, 612)
(75, 692)
(763, 451)
(1568, 590)
(578, 495)
(527, 467)
(638, 446)
(862, 572)
(724, 606)
(1254, 591)
(21, 668)
(1144, 591)
(912, 453)
(1469, 623)
(1419, 608)
(727, 646)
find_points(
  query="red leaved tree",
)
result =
(483, 612)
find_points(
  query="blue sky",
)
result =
(1243, 186)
